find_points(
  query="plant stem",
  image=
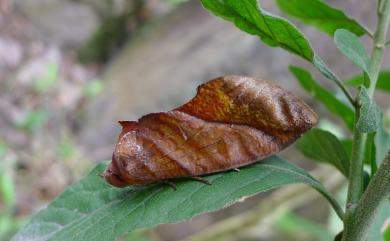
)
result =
(379, 7)
(359, 140)
(367, 31)
(346, 92)
(321, 66)
(359, 214)
(355, 188)
(379, 45)
(374, 197)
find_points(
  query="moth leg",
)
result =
(236, 169)
(200, 179)
(171, 184)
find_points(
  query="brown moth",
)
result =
(232, 121)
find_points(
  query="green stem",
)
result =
(379, 45)
(355, 188)
(321, 66)
(379, 7)
(368, 32)
(369, 157)
(359, 214)
(359, 141)
(345, 90)
(374, 197)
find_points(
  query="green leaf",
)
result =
(274, 31)
(325, 70)
(7, 189)
(349, 44)
(386, 234)
(66, 148)
(332, 127)
(33, 121)
(370, 113)
(375, 232)
(381, 141)
(93, 88)
(382, 83)
(47, 80)
(319, 14)
(294, 225)
(323, 146)
(91, 209)
(347, 144)
(138, 235)
(7, 182)
(339, 236)
(320, 93)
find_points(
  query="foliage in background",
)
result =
(38, 108)
(8, 223)
(382, 83)
(317, 13)
(291, 224)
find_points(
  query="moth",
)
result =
(233, 121)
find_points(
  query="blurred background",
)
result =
(69, 69)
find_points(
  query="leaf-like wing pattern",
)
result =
(233, 121)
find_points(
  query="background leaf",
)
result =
(292, 224)
(386, 234)
(381, 141)
(380, 148)
(90, 209)
(317, 13)
(47, 80)
(347, 144)
(320, 93)
(370, 113)
(272, 30)
(323, 146)
(138, 235)
(374, 233)
(382, 83)
(349, 44)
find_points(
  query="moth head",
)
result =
(112, 174)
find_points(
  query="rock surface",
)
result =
(69, 23)
(60, 22)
